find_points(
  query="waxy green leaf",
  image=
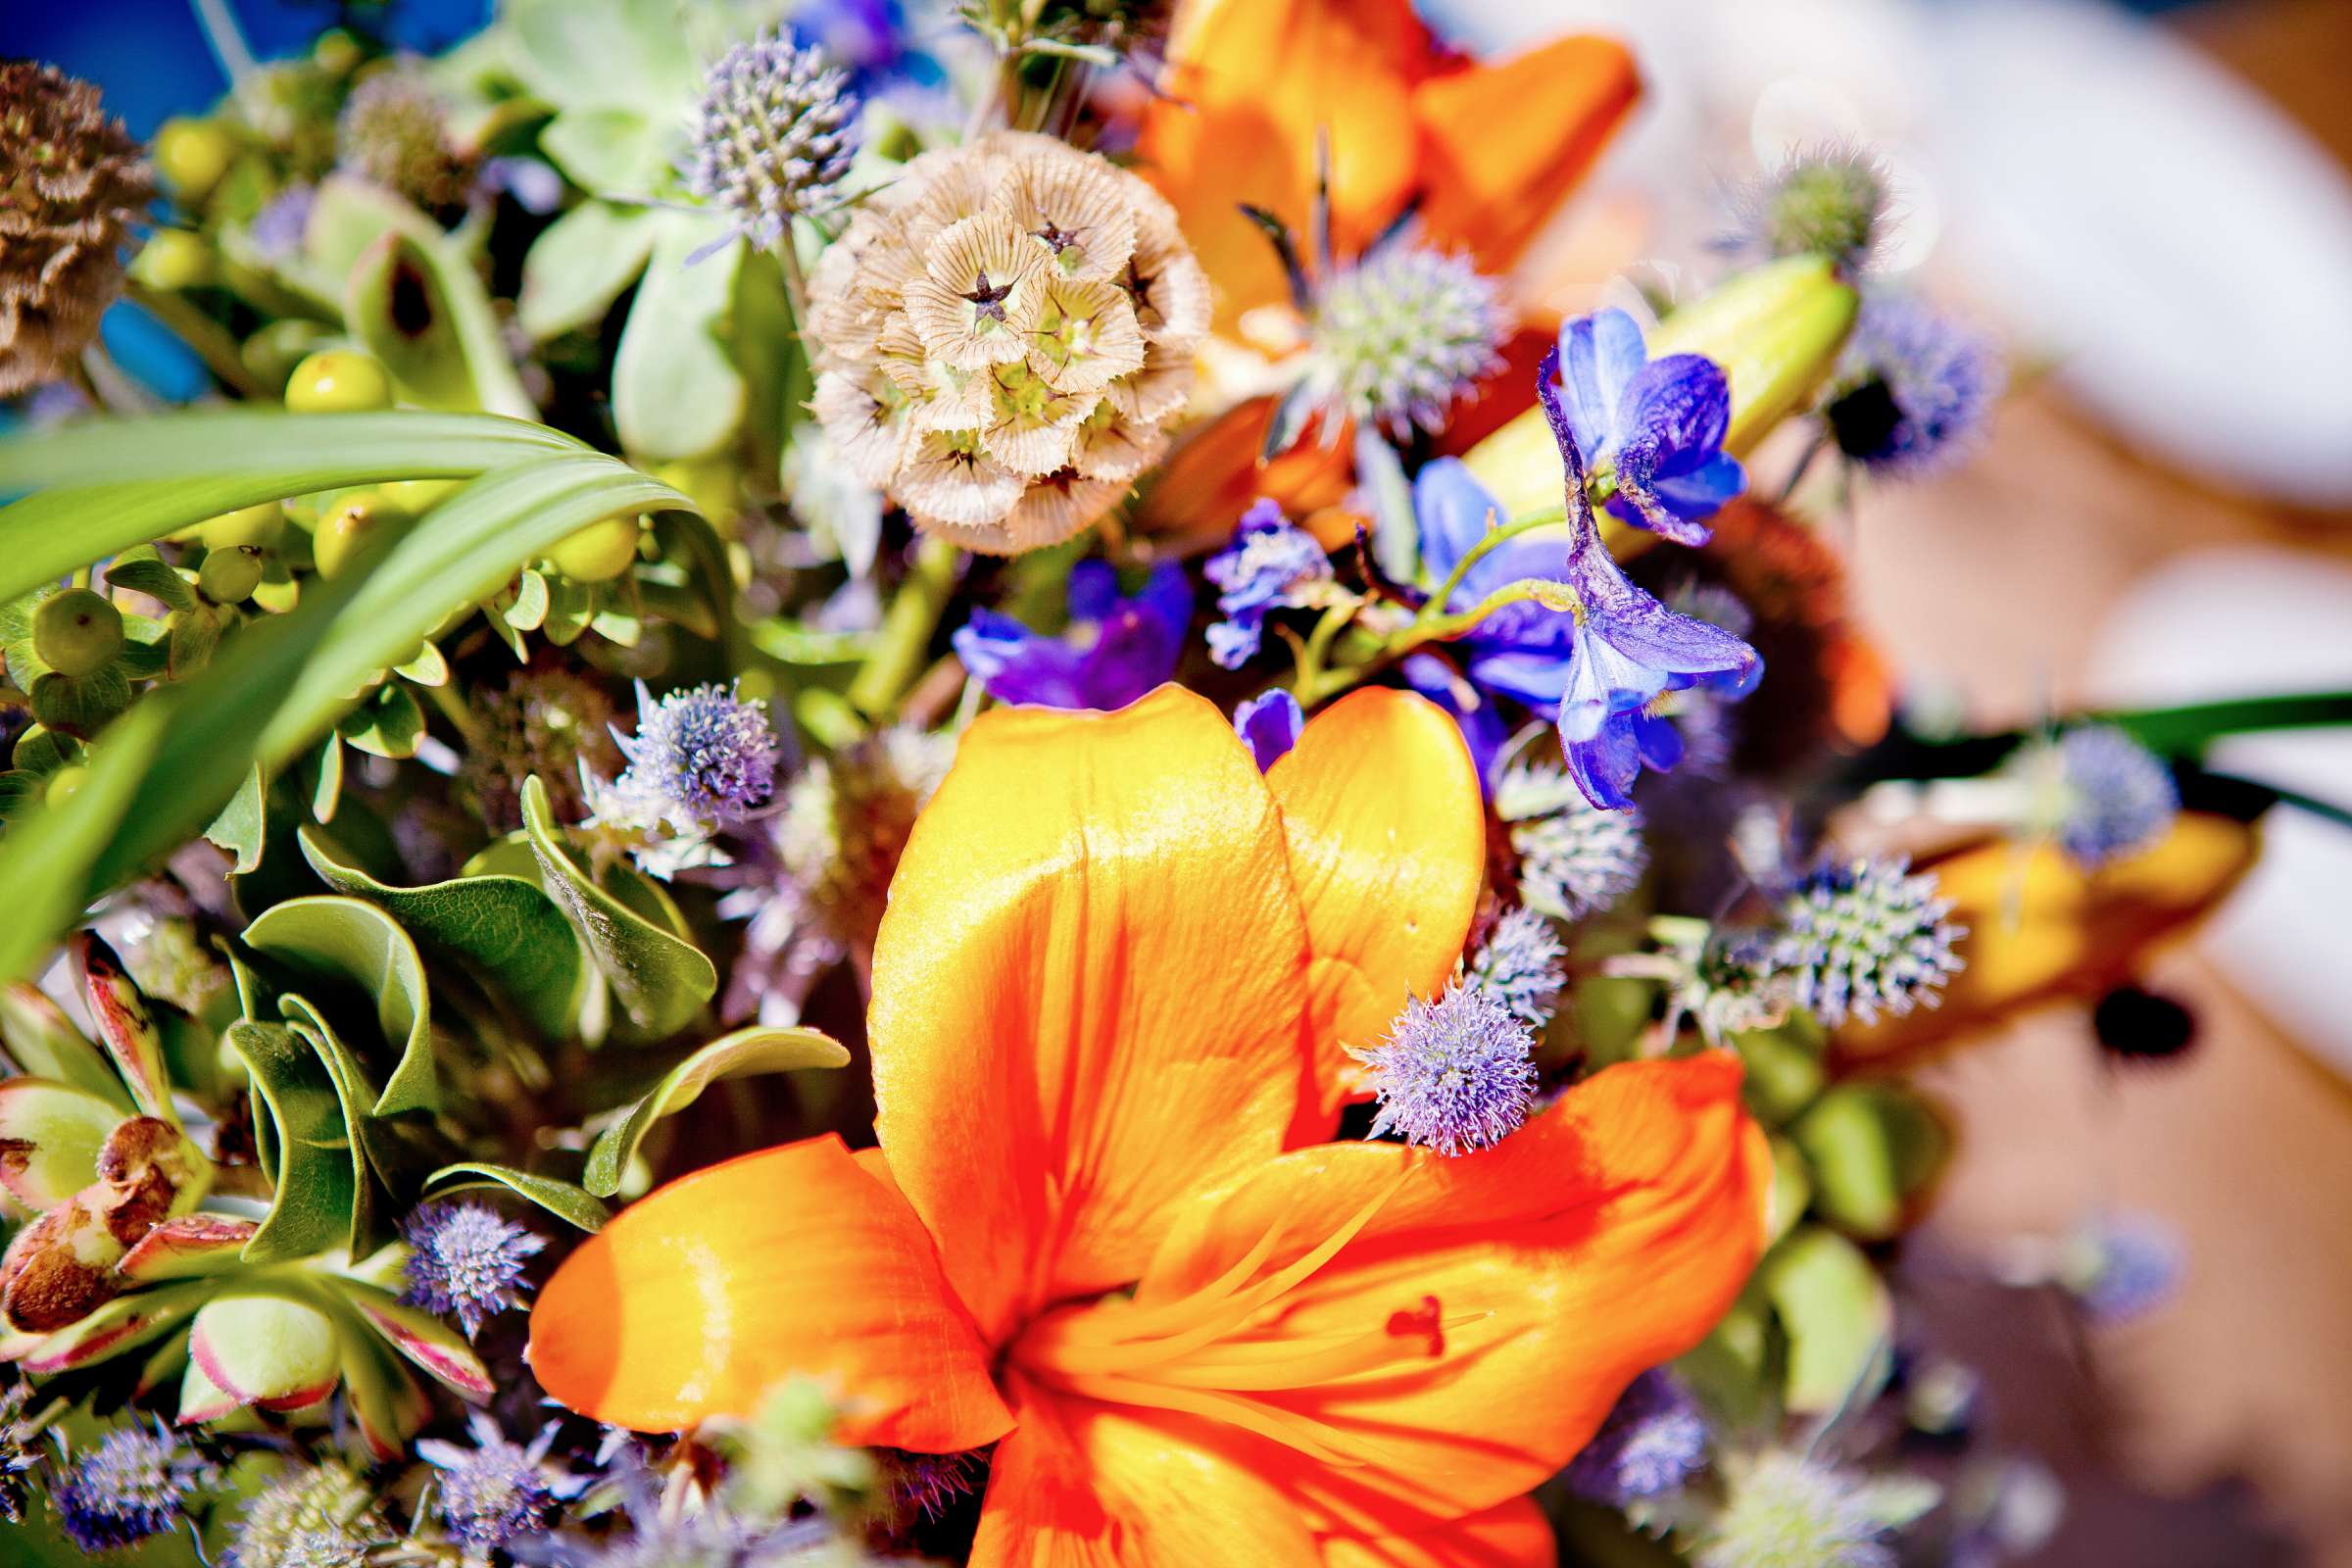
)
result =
(310, 1150)
(740, 1055)
(562, 1198)
(355, 942)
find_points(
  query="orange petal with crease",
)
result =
(1510, 1535)
(793, 1261)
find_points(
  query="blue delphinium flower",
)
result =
(701, 759)
(495, 1492)
(2098, 792)
(1270, 722)
(1660, 422)
(1269, 565)
(1115, 650)
(1920, 387)
(1654, 1441)
(1455, 1074)
(133, 1485)
(1520, 963)
(466, 1263)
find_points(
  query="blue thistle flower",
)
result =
(495, 1492)
(2124, 1266)
(1269, 565)
(1864, 936)
(135, 1483)
(311, 1516)
(1920, 384)
(1454, 1074)
(1404, 333)
(718, 1539)
(277, 229)
(1270, 722)
(1575, 859)
(701, 757)
(1520, 964)
(1654, 1441)
(772, 137)
(465, 1261)
(2098, 792)
(17, 1456)
(1785, 1511)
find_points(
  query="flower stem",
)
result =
(907, 627)
(796, 282)
(1550, 517)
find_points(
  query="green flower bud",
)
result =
(259, 526)
(1777, 331)
(272, 351)
(598, 552)
(172, 258)
(229, 576)
(339, 382)
(76, 632)
(191, 155)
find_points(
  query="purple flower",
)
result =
(2124, 1266)
(496, 1492)
(701, 757)
(1269, 565)
(1660, 422)
(1654, 1441)
(1455, 1074)
(464, 1261)
(1921, 386)
(1115, 650)
(133, 1485)
(1270, 722)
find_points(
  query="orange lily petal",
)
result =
(1507, 1297)
(1512, 1535)
(2040, 928)
(700, 1297)
(1388, 850)
(1087, 994)
(1203, 488)
(1084, 1486)
(1250, 84)
(1493, 193)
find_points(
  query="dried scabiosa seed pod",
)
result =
(71, 182)
(1003, 336)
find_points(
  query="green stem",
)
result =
(209, 338)
(796, 282)
(904, 640)
(1317, 647)
(1550, 517)
(1425, 629)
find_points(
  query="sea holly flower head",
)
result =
(1828, 200)
(702, 758)
(1654, 1439)
(1661, 423)
(2121, 1267)
(773, 136)
(1785, 1510)
(1865, 936)
(1918, 386)
(1520, 965)
(464, 1261)
(1401, 336)
(1269, 565)
(1455, 1074)
(2098, 792)
(1117, 649)
(1575, 859)
(133, 1485)
(495, 1492)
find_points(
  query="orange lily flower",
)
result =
(1252, 83)
(1103, 1231)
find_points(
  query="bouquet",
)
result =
(883, 786)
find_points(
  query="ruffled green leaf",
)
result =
(389, 723)
(740, 1055)
(355, 942)
(561, 1198)
(242, 829)
(353, 1092)
(309, 1148)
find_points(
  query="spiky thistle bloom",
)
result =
(394, 132)
(771, 137)
(1830, 200)
(72, 183)
(1785, 1511)
(2122, 1266)
(313, 1516)
(702, 758)
(495, 1492)
(1003, 335)
(1403, 335)
(1455, 1074)
(1919, 387)
(1519, 962)
(466, 1263)
(1575, 859)
(133, 1485)
(716, 1538)
(18, 1454)
(1863, 937)
(548, 722)
(2098, 792)
(1654, 1441)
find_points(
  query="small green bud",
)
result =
(259, 526)
(192, 155)
(172, 258)
(1777, 331)
(337, 52)
(598, 552)
(1829, 202)
(76, 632)
(229, 576)
(355, 521)
(339, 382)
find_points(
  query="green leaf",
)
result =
(578, 265)
(612, 152)
(146, 573)
(561, 1198)
(424, 1340)
(414, 305)
(44, 1043)
(629, 54)
(1837, 1313)
(125, 1025)
(661, 980)
(676, 392)
(322, 778)
(353, 1094)
(51, 1133)
(1870, 1148)
(503, 925)
(354, 941)
(740, 1055)
(320, 1175)
(243, 826)
(111, 484)
(388, 723)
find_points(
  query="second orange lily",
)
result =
(1103, 1232)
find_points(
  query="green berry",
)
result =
(229, 576)
(64, 782)
(272, 351)
(192, 155)
(339, 382)
(76, 632)
(172, 258)
(598, 552)
(417, 497)
(259, 526)
(355, 521)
